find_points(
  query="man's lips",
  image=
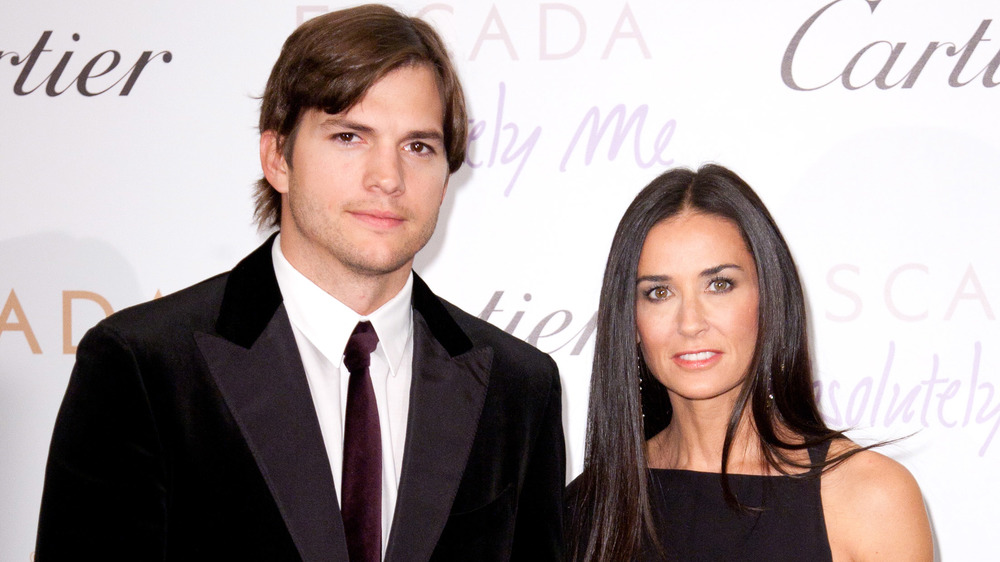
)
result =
(378, 218)
(699, 359)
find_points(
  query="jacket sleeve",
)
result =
(538, 531)
(104, 495)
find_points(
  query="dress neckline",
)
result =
(817, 454)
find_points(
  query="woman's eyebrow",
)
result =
(653, 279)
(718, 269)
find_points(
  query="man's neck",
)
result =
(362, 292)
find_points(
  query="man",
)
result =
(318, 399)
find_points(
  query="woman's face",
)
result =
(696, 306)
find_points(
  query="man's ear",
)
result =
(272, 161)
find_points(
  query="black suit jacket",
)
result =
(188, 432)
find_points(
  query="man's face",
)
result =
(364, 187)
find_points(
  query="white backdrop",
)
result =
(869, 127)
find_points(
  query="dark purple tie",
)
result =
(361, 485)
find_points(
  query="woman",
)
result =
(704, 439)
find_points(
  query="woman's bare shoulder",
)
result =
(874, 509)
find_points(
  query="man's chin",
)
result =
(374, 266)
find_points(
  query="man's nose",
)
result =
(384, 170)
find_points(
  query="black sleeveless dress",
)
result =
(695, 523)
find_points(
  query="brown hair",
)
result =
(332, 60)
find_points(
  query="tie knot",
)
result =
(361, 344)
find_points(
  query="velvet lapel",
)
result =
(450, 378)
(256, 364)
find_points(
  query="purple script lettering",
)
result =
(598, 130)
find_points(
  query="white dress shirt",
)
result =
(322, 325)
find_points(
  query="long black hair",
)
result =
(611, 494)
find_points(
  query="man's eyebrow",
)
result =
(432, 134)
(334, 122)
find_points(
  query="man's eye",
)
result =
(421, 148)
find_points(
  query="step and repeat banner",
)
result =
(869, 127)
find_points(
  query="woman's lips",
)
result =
(697, 359)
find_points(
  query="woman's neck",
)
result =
(695, 437)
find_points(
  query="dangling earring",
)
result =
(770, 388)
(638, 366)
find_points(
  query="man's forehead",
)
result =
(403, 92)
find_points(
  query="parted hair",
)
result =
(611, 495)
(331, 61)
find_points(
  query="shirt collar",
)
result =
(328, 323)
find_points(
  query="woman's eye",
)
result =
(658, 293)
(720, 285)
